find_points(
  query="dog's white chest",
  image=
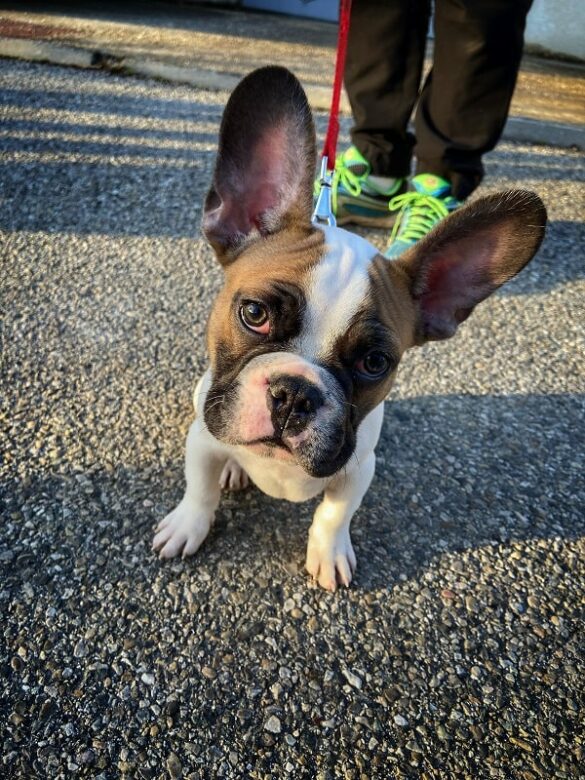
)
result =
(278, 479)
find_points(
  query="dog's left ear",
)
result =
(468, 256)
(263, 178)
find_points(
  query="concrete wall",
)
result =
(311, 9)
(557, 26)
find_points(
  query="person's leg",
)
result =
(382, 77)
(466, 97)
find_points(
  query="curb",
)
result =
(516, 128)
(546, 133)
(41, 51)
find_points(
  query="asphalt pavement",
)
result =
(458, 651)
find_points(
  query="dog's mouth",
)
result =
(321, 467)
(272, 442)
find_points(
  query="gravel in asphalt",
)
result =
(458, 652)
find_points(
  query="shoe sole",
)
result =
(365, 211)
(373, 222)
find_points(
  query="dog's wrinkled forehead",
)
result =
(317, 285)
(337, 288)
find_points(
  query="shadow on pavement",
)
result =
(113, 104)
(74, 133)
(454, 473)
(518, 165)
(123, 163)
(59, 178)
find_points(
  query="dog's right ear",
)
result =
(263, 179)
(468, 255)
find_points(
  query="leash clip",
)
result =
(323, 213)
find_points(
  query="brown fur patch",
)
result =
(287, 256)
(392, 301)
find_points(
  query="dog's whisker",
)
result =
(215, 398)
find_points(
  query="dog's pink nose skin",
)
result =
(293, 402)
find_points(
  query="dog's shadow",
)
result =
(454, 472)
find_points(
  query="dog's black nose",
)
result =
(294, 402)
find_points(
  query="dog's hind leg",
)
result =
(233, 477)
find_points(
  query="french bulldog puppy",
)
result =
(307, 333)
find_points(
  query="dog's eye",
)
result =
(255, 317)
(373, 365)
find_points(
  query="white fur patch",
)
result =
(336, 290)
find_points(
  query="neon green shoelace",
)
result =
(418, 214)
(348, 180)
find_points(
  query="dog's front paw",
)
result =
(182, 531)
(330, 558)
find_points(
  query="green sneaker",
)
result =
(359, 197)
(419, 211)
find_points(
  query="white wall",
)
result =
(557, 26)
(313, 9)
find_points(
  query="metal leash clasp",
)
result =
(323, 213)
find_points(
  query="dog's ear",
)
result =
(468, 255)
(263, 178)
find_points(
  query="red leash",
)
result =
(330, 145)
(323, 213)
